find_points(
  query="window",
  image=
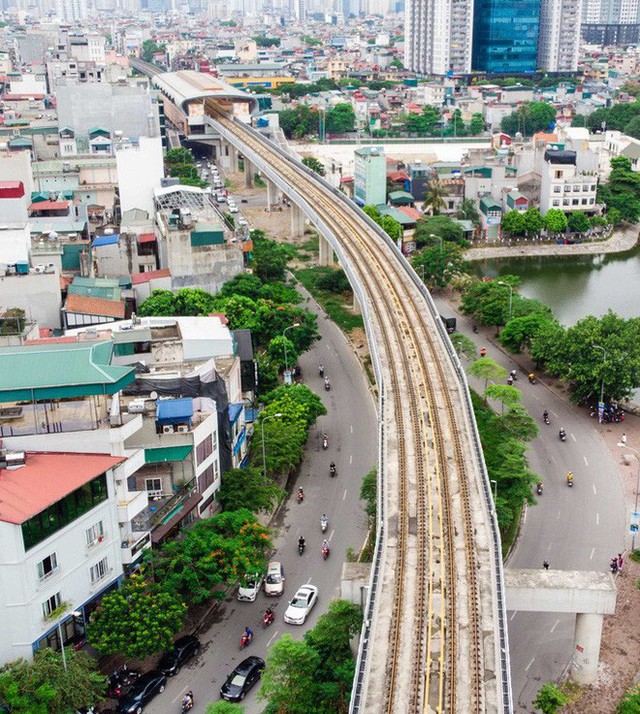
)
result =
(557, 189)
(576, 189)
(584, 201)
(153, 485)
(95, 534)
(575, 202)
(204, 449)
(558, 174)
(592, 201)
(48, 566)
(48, 606)
(593, 187)
(65, 511)
(215, 440)
(565, 202)
(99, 571)
(556, 202)
(205, 479)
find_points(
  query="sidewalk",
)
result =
(619, 242)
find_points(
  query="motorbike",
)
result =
(186, 706)
(539, 489)
(546, 419)
(332, 470)
(532, 379)
(325, 443)
(301, 547)
(121, 680)
(245, 640)
(327, 385)
(510, 380)
(570, 481)
(268, 618)
(321, 371)
(513, 374)
(325, 551)
(562, 435)
(324, 523)
(475, 329)
(300, 496)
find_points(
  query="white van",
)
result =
(274, 580)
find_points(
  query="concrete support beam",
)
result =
(586, 648)
(326, 252)
(249, 170)
(274, 195)
(297, 221)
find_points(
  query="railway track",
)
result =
(434, 575)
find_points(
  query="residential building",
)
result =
(505, 36)
(559, 41)
(563, 185)
(72, 10)
(490, 217)
(60, 546)
(438, 36)
(370, 176)
(611, 22)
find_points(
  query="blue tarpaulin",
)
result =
(105, 240)
(239, 442)
(169, 411)
(234, 412)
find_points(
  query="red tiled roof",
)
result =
(414, 214)
(45, 479)
(11, 189)
(44, 340)
(65, 282)
(146, 238)
(94, 306)
(49, 206)
(138, 278)
(398, 176)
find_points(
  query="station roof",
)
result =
(46, 478)
(53, 371)
(187, 85)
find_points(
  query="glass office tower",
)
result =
(505, 35)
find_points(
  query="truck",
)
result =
(449, 323)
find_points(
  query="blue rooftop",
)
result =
(234, 412)
(105, 240)
(173, 410)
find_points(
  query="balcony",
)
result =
(131, 549)
(47, 578)
(130, 506)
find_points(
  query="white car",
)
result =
(221, 196)
(249, 587)
(232, 207)
(242, 221)
(301, 605)
(274, 581)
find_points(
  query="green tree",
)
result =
(159, 304)
(297, 396)
(212, 555)
(555, 221)
(284, 441)
(282, 352)
(44, 685)
(439, 226)
(223, 707)
(468, 211)
(312, 163)
(520, 331)
(248, 488)
(289, 680)
(178, 156)
(439, 265)
(518, 423)
(138, 620)
(368, 493)
(630, 702)
(333, 281)
(550, 699)
(269, 259)
(489, 301)
(268, 375)
(487, 369)
(503, 393)
(149, 48)
(462, 344)
(533, 221)
(578, 222)
(513, 223)
(434, 196)
(579, 120)
(476, 126)
(244, 284)
(264, 41)
(299, 121)
(529, 118)
(633, 127)
(340, 119)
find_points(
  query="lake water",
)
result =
(576, 286)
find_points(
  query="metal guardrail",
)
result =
(328, 232)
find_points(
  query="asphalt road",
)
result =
(350, 424)
(578, 528)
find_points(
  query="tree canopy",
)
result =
(314, 164)
(439, 265)
(248, 488)
(529, 118)
(621, 193)
(439, 226)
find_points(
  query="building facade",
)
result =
(505, 36)
(559, 41)
(370, 176)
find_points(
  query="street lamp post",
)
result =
(264, 453)
(604, 359)
(635, 508)
(286, 366)
(495, 490)
(433, 235)
(501, 282)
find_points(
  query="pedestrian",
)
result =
(614, 566)
(545, 564)
(620, 562)
(623, 439)
(483, 352)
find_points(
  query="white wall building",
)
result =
(559, 35)
(140, 171)
(72, 10)
(564, 185)
(60, 547)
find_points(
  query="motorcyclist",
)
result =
(545, 415)
(187, 701)
(514, 374)
(483, 352)
(324, 520)
(332, 467)
(539, 487)
(301, 542)
(562, 433)
(569, 477)
(248, 634)
(532, 378)
(321, 370)
(300, 494)
(325, 546)
(269, 614)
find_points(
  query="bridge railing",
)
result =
(502, 648)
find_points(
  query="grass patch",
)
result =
(258, 182)
(368, 368)
(635, 556)
(336, 305)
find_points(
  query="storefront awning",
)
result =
(166, 453)
(159, 533)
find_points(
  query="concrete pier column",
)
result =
(326, 252)
(586, 648)
(233, 157)
(357, 310)
(225, 154)
(272, 195)
(248, 173)
(297, 221)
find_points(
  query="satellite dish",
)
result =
(153, 395)
(53, 235)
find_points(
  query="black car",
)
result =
(141, 691)
(183, 650)
(243, 677)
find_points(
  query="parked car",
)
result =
(300, 606)
(243, 677)
(242, 221)
(221, 196)
(141, 692)
(183, 650)
(274, 580)
(249, 587)
(232, 207)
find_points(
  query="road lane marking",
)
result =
(554, 414)
(351, 427)
(586, 463)
(526, 669)
(594, 490)
(593, 550)
(512, 616)
(573, 437)
(597, 519)
(182, 693)
(558, 516)
(344, 495)
(308, 581)
(350, 458)
(275, 634)
(331, 535)
(555, 624)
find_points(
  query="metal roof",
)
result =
(60, 370)
(111, 239)
(174, 409)
(166, 453)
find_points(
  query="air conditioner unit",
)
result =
(136, 406)
(40, 268)
(183, 429)
(167, 429)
